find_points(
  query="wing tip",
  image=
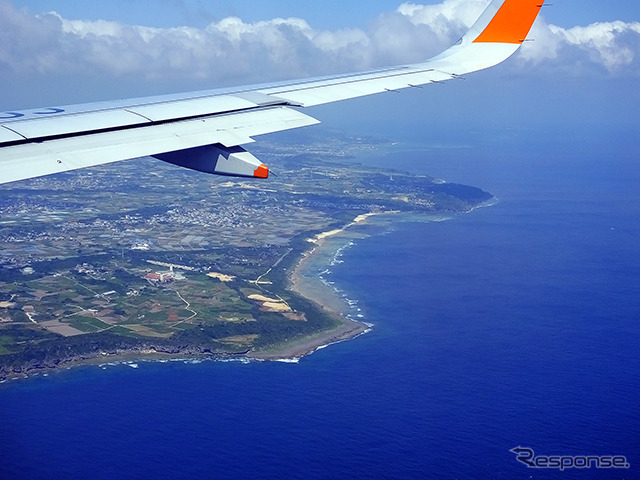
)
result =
(511, 23)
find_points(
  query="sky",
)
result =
(581, 68)
(326, 15)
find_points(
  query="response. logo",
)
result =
(528, 457)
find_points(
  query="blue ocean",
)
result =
(515, 325)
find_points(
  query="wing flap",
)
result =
(74, 123)
(62, 124)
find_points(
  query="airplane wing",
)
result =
(205, 130)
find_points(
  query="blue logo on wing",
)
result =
(46, 111)
(51, 110)
(7, 115)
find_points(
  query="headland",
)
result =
(106, 265)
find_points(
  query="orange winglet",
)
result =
(261, 172)
(512, 22)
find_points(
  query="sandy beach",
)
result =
(314, 290)
(305, 281)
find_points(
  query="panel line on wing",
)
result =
(24, 139)
(354, 80)
(138, 114)
(7, 134)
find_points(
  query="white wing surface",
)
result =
(204, 130)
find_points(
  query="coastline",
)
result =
(306, 282)
(302, 280)
(129, 357)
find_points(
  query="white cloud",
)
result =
(233, 49)
(447, 19)
(613, 47)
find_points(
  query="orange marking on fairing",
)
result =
(512, 22)
(261, 172)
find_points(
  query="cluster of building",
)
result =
(156, 278)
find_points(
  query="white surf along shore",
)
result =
(309, 279)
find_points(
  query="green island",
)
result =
(144, 260)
